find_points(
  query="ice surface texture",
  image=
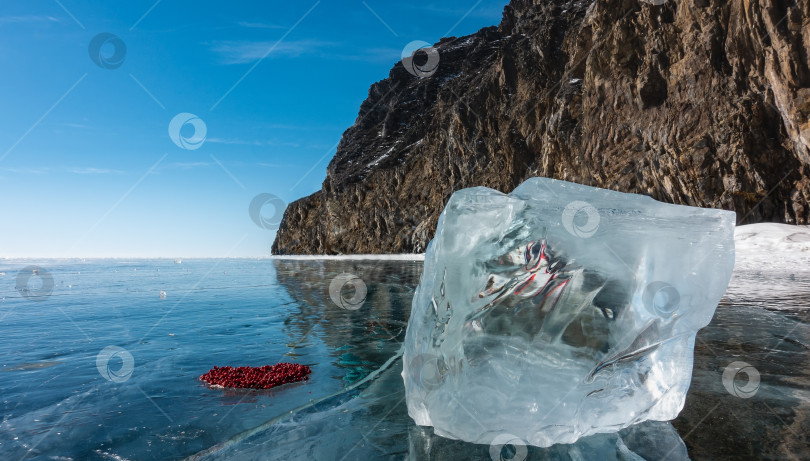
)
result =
(560, 311)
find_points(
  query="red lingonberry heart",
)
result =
(264, 377)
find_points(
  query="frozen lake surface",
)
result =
(65, 394)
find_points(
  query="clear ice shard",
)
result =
(560, 311)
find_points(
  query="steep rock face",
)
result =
(700, 102)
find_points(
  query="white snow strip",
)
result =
(764, 246)
(771, 246)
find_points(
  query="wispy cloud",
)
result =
(187, 165)
(91, 170)
(307, 127)
(260, 25)
(245, 142)
(241, 52)
(24, 170)
(68, 169)
(77, 125)
(482, 11)
(26, 19)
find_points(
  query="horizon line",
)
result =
(393, 256)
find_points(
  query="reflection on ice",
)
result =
(373, 424)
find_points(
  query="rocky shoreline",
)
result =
(701, 103)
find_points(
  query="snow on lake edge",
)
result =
(772, 246)
(762, 246)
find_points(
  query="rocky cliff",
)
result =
(696, 102)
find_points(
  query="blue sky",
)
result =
(87, 165)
